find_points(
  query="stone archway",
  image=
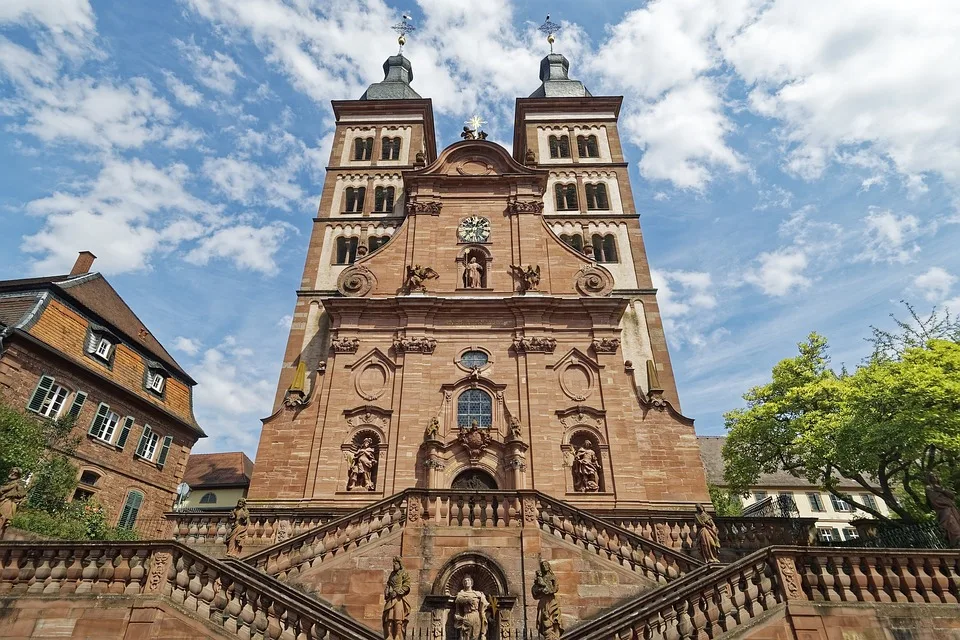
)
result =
(487, 578)
(474, 480)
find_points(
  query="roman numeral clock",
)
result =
(474, 229)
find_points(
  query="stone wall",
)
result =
(858, 621)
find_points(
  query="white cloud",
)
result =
(285, 322)
(182, 92)
(935, 284)
(217, 71)
(249, 183)
(683, 298)
(70, 24)
(780, 272)
(890, 238)
(189, 346)
(247, 246)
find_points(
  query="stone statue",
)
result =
(544, 590)
(708, 536)
(470, 612)
(468, 134)
(528, 277)
(529, 158)
(433, 429)
(944, 502)
(516, 429)
(417, 276)
(396, 608)
(12, 495)
(238, 533)
(362, 463)
(586, 469)
(473, 274)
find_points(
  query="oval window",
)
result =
(474, 359)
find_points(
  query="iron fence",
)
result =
(874, 534)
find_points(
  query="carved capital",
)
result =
(517, 463)
(427, 208)
(606, 345)
(534, 345)
(420, 344)
(345, 345)
(530, 206)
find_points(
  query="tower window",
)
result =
(362, 148)
(604, 248)
(354, 199)
(566, 196)
(347, 250)
(375, 242)
(390, 149)
(383, 199)
(587, 147)
(575, 241)
(475, 404)
(597, 196)
(559, 146)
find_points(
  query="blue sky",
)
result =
(796, 163)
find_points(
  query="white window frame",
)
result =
(850, 533)
(156, 382)
(840, 506)
(109, 427)
(53, 404)
(825, 534)
(150, 448)
(103, 349)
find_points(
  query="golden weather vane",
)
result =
(403, 27)
(549, 28)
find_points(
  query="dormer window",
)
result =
(154, 377)
(559, 146)
(390, 149)
(156, 383)
(103, 348)
(101, 344)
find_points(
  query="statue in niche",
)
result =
(473, 274)
(12, 495)
(544, 591)
(586, 469)
(944, 503)
(362, 463)
(470, 612)
(708, 536)
(238, 533)
(396, 607)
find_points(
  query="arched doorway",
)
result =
(474, 480)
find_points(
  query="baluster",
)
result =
(842, 571)
(456, 506)
(232, 605)
(488, 511)
(89, 570)
(42, 572)
(121, 570)
(940, 572)
(908, 581)
(502, 515)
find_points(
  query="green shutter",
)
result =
(131, 508)
(142, 445)
(77, 405)
(98, 419)
(40, 393)
(125, 432)
(164, 450)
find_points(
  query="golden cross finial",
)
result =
(403, 27)
(549, 28)
(475, 122)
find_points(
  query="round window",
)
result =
(474, 359)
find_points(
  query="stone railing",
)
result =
(500, 509)
(267, 526)
(725, 598)
(235, 598)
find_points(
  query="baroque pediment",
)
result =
(475, 159)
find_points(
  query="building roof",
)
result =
(397, 76)
(710, 452)
(555, 81)
(231, 469)
(92, 291)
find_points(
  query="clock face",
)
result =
(474, 229)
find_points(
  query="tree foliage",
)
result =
(884, 426)
(724, 502)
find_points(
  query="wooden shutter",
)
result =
(77, 405)
(125, 432)
(40, 393)
(131, 508)
(164, 450)
(144, 437)
(98, 419)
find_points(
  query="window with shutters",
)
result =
(828, 534)
(604, 248)
(566, 197)
(150, 446)
(587, 147)
(390, 149)
(383, 199)
(346, 250)
(104, 424)
(597, 197)
(559, 146)
(816, 503)
(839, 505)
(362, 148)
(48, 398)
(130, 511)
(209, 498)
(353, 199)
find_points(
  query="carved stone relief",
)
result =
(356, 280)
(531, 206)
(371, 381)
(428, 208)
(345, 345)
(606, 345)
(594, 281)
(421, 344)
(534, 344)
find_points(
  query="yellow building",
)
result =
(216, 480)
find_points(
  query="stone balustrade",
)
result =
(712, 601)
(267, 526)
(233, 597)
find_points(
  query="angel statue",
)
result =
(417, 276)
(527, 277)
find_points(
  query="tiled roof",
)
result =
(94, 292)
(13, 309)
(231, 469)
(710, 453)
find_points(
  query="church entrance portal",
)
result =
(474, 480)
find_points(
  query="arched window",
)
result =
(130, 511)
(383, 199)
(353, 197)
(362, 148)
(474, 480)
(587, 147)
(475, 404)
(209, 498)
(604, 248)
(375, 242)
(566, 196)
(575, 241)
(347, 250)
(390, 149)
(559, 146)
(89, 478)
(597, 196)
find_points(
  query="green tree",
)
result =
(884, 426)
(724, 502)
